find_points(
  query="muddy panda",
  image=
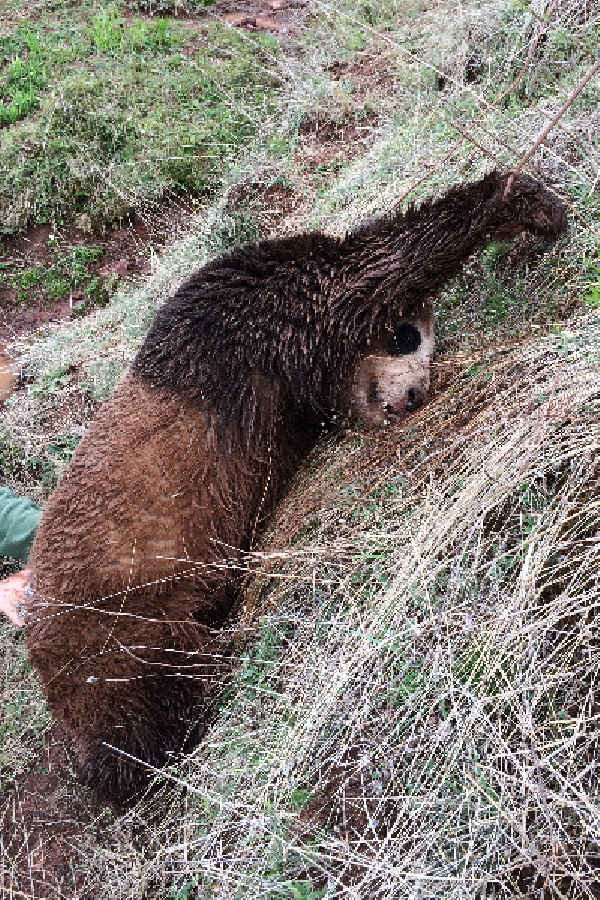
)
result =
(135, 567)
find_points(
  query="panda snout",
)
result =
(411, 400)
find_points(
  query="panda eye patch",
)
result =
(406, 338)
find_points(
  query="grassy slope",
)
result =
(416, 711)
(443, 611)
(105, 114)
(105, 117)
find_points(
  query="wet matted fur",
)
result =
(134, 564)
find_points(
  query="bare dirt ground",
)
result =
(127, 252)
(285, 17)
(41, 817)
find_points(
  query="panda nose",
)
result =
(413, 400)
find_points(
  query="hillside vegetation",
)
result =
(414, 712)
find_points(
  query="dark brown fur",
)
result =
(135, 560)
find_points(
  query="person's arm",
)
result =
(19, 519)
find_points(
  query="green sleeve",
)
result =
(19, 519)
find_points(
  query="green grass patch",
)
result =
(592, 294)
(24, 76)
(111, 33)
(64, 273)
(102, 115)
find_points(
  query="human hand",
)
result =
(12, 597)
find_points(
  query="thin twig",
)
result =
(488, 106)
(551, 125)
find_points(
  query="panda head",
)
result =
(391, 379)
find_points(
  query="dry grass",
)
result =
(415, 711)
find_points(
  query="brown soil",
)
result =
(8, 376)
(127, 252)
(270, 206)
(326, 142)
(283, 17)
(326, 139)
(46, 817)
(368, 74)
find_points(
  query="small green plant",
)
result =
(592, 298)
(185, 892)
(64, 273)
(54, 381)
(493, 255)
(64, 445)
(592, 294)
(112, 33)
(406, 679)
(108, 29)
(25, 280)
(80, 259)
(300, 798)
(11, 723)
(499, 302)
(371, 575)
(355, 39)
(482, 672)
(23, 80)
